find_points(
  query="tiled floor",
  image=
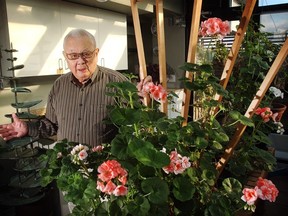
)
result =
(280, 206)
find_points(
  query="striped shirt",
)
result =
(76, 112)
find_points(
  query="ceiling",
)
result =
(124, 6)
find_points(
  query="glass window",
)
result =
(236, 3)
(274, 22)
(272, 2)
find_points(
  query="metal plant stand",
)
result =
(24, 186)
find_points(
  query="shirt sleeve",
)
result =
(43, 128)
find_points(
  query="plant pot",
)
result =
(278, 108)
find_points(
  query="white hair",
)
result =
(80, 33)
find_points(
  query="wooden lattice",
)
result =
(195, 22)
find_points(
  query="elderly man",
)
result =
(77, 101)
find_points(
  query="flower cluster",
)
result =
(214, 27)
(79, 153)
(264, 190)
(279, 128)
(157, 92)
(178, 164)
(266, 114)
(109, 172)
(277, 92)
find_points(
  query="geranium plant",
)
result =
(157, 166)
(253, 62)
(154, 165)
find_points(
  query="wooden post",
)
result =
(254, 104)
(139, 44)
(191, 55)
(161, 49)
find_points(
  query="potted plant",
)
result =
(154, 165)
(252, 64)
(157, 166)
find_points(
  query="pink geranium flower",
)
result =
(178, 164)
(112, 178)
(266, 190)
(98, 148)
(157, 92)
(249, 195)
(120, 190)
(82, 155)
(214, 27)
(265, 113)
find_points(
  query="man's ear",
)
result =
(63, 53)
(97, 51)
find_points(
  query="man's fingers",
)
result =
(8, 135)
(15, 117)
(147, 80)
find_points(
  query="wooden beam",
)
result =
(139, 44)
(254, 105)
(161, 49)
(247, 13)
(191, 55)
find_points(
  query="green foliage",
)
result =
(145, 139)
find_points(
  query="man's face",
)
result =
(81, 57)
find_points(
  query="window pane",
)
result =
(271, 2)
(274, 22)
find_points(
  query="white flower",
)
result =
(82, 154)
(280, 128)
(163, 150)
(78, 148)
(59, 155)
(90, 170)
(277, 92)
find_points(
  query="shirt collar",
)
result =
(90, 80)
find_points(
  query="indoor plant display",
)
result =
(154, 165)
(252, 64)
(157, 166)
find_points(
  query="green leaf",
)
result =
(125, 116)
(128, 86)
(217, 145)
(146, 153)
(239, 117)
(208, 176)
(232, 185)
(201, 142)
(263, 138)
(119, 147)
(157, 190)
(183, 189)
(139, 206)
(216, 210)
(220, 135)
(90, 192)
(114, 209)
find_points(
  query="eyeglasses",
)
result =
(84, 55)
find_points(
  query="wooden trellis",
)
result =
(195, 22)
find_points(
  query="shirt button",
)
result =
(80, 104)
(79, 119)
(77, 134)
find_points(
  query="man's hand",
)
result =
(143, 82)
(13, 130)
